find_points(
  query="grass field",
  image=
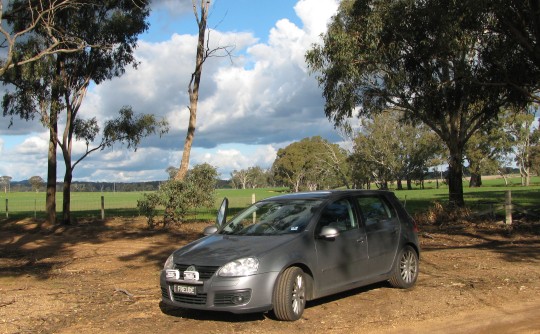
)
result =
(88, 204)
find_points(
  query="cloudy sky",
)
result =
(249, 107)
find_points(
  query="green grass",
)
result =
(87, 204)
(492, 192)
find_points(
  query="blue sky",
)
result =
(248, 109)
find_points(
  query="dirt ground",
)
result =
(102, 277)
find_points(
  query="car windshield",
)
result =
(273, 218)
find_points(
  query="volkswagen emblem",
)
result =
(191, 274)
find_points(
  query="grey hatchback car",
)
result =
(286, 250)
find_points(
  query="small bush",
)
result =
(148, 207)
(178, 197)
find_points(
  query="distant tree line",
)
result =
(33, 184)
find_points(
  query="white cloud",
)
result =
(315, 14)
(247, 109)
(26, 159)
(32, 145)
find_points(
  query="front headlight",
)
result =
(169, 264)
(242, 267)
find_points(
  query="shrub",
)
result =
(178, 197)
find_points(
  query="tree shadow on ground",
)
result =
(517, 242)
(32, 247)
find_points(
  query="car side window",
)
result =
(375, 211)
(339, 215)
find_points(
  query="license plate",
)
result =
(185, 289)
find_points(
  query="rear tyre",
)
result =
(405, 270)
(289, 297)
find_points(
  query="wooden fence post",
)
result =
(508, 207)
(102, 207)
(7, 209)
(254, 213)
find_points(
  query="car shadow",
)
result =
(209, 315)
(249, 317)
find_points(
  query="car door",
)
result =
(382, 232)
(340, 260)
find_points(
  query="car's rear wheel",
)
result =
(290, 294)
(405, 271)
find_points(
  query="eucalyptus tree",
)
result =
(310, 164)
(240, 178)
(5, 181)
(257, 177)
(36, 182)
(487, 149)
(203, 52)
(421, 57)
(520, 128)
(58, 83)
(394, 151)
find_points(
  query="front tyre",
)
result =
(289, 297)
(405, 270)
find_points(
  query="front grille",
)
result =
(232, 298)
(198, 299)
(165, 293)
(205, 272)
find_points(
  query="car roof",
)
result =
(325, 194)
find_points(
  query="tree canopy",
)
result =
(311, 163)
(426, 58)
(393, 151)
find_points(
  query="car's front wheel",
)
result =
(405, 271)
(290, 294)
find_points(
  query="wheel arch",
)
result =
(413, 246)
(308, 275)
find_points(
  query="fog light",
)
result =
(238, 300)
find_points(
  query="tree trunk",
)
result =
(455, 177)
(51, 172)
(399, 185)
(476, 180)
(409, 184)
(184, 164)
(193, 89)
(66, 206)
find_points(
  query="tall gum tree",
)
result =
(421, 57)
(202, 54)
(194, 84)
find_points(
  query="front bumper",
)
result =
(247, 294)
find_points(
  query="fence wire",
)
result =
(89, 204)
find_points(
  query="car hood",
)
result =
(217, 250)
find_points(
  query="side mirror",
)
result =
(329, 233)
(209, 230)
(222, 213)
